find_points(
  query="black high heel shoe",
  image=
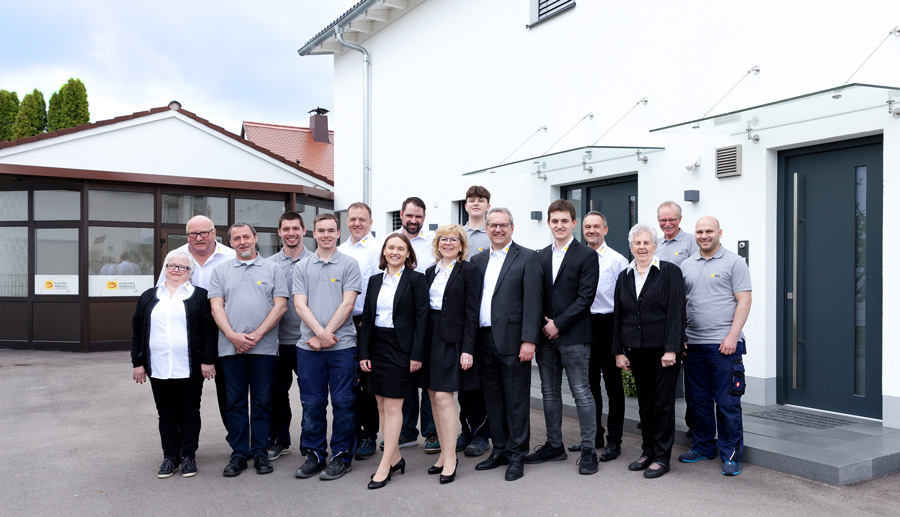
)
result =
(378, 484)
(451, 477)
(400, 465)
(434, 469)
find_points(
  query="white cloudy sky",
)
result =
(226, 61)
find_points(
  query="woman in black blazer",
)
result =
(648, 337)
(391, 343)
(174, 343)
(455, 298)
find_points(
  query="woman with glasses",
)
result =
(455, 298)
(173, 342)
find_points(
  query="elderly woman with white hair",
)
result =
(173, 342)
(648, 337)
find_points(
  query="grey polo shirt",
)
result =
(678, 248)
(478, 240)
(289, 326)
(249, 288)
(324, 284)
(710, 287)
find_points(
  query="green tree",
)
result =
(54, 113)
(9, 107)
(32, 116)
(73, 102)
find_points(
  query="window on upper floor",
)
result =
(544, 9)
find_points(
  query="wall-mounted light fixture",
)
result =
(693, 164)
(536, 215)
(692, 196)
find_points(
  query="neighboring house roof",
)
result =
(359, 22)
(173, 106)
(296, 144)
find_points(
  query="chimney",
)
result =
(318, 125)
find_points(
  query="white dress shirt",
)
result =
(611, 264)
(168, 334)
(367, 252)
(384, 305)
(558, 255)
(638, 279)
(436, 292)
(491, 275)
(200, 274)
(423, 244)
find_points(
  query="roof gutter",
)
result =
(367, 91)
(332, 29)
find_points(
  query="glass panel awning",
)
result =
(841, 100)
(583, 156)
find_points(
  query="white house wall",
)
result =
(457, 85)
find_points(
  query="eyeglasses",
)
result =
(494, 226)
(194, 235)
(669, 220)
(452, 240)
(177, 267)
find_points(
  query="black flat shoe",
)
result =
(401, 466)
(451, 477)
(642, 463)
(655, 473)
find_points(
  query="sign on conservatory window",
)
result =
(544, 9)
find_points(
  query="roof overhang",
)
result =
(580, 156)
(357, 23)
(844, 99)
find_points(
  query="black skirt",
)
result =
(390, 375)
(441, 370)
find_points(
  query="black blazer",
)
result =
(516, 300)
(656, 318)
(462, 301)
(567, 301)
(410, 314)
(203, 334)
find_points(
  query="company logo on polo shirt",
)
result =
(260, 282)
(334, 280)
(713, 275)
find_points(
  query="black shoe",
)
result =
(434, 469)
(656, 473)
(374, 485)
(515, 470)
(310, 468)
(262, 464)
(575, 447)
(493, 461)
(545, 452)
(335, 470)
(639, 425)
(400, 465)
(234, 467)
(587, 463)
(278, 450)
(188, 467)
(689, 433)
(641, 463)
(611, 452)
(166, 469)
(478, 447)
(449, 478)
(463, 440)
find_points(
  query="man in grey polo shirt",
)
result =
(676, 244)
(291, 230)
(325, 289)
(718, 290)
(248, 296)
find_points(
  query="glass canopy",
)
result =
(841, 100)
(584, 156)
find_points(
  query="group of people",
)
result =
(369, 323)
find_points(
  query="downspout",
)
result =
(367, 93)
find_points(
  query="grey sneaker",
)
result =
(310, 468)
(335, 470)
(278, 451)
(166, 469)
(479, 446)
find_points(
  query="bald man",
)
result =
(717, 284)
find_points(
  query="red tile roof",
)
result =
(306, 169)
(296, 144)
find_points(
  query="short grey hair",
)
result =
(640, 228)
(199, 217)
(669, 204)
(179, 253)
(500, 210)
(240, 225)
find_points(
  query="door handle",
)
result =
(794, 295)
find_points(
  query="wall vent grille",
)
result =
(728, 161)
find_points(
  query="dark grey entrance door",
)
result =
(831, 231)
(616, 198)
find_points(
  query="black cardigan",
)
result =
(656, 318)
(203, 334)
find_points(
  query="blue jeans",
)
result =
(248, 436)
(319, 373)
(411, 416)
(552, 359)
(707, 376)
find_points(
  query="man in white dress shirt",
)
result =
(366, 249)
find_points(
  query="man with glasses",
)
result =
(207, 254)
(248, 297)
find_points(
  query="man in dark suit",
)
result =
(570, 271)
(509, 323)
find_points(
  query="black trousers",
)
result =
(285, 371)
(178, 406)
(473, 413)
(366, 406)
(656, 400)
(603, 364)
(506, 385)
(221, 394)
